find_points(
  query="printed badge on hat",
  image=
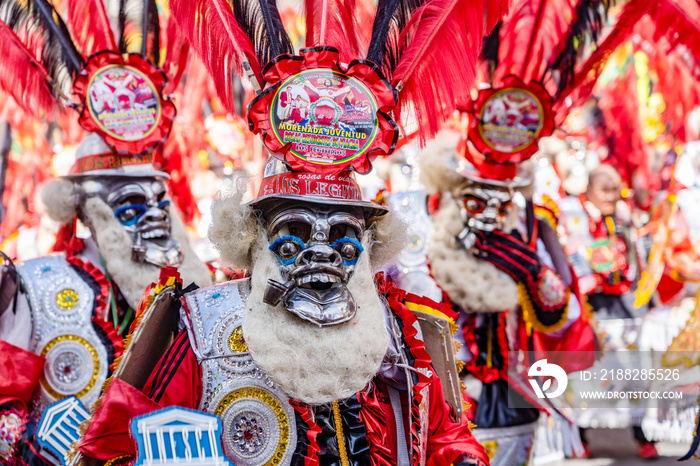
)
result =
(505, 128)
(113, 81)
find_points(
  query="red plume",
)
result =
(90, 26)
(535, 31)
(22, 76)
(495, 10)
(672, 22)
(677, 72)
(212, 30)
(177, 49)
(620, 107)
(334, 23)
(438, 68)
(678, 24)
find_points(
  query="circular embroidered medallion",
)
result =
(124, 102)
(552, 291)
(256, 427)
(511, 119)
(67, 299)
(327, 117)
(72, 366)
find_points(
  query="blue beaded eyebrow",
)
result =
(283, 239)
(119, 211)
(357, 244)
(142, 208)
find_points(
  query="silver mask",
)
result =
(141, 206)
(317, 248)
(483, 208)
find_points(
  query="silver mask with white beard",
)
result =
(317, 247)
(483, 208)
(141, 206)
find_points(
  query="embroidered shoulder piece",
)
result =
(212, 312)
(62, 305)
(259, 425)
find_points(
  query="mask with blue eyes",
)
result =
(317, 248)
(142, 207)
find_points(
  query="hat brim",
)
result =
(266, 203)
(146, 173)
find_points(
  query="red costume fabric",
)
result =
(177, 381)
(21, 371)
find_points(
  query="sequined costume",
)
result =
(56, 339)
(208, 367)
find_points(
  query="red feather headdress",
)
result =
(50, 63)
(531, 59)
(330, 107)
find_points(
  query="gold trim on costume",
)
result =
(95, 360)
(339, 435)
(530, 317)
(273, 403)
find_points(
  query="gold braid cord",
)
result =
(339, 435)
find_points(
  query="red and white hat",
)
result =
(95, 158)
(281, 184)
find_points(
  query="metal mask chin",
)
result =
(141, 207)
(317, 249)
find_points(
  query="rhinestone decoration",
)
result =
(61, 303)
(257, 420)
(249, 433)
(67, 367)
(64, 352)
(42, 270)
(64, 298)
(214, 298)
(264, 406)
(236, 341)
(67, 299)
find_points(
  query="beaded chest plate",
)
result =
(258, 421)
(61, 306)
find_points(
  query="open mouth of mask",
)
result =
(317, 249)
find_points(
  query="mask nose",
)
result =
(155, 214)
(320, 253)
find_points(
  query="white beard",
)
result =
(474, 285)
(313, 364)
(131, 277)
